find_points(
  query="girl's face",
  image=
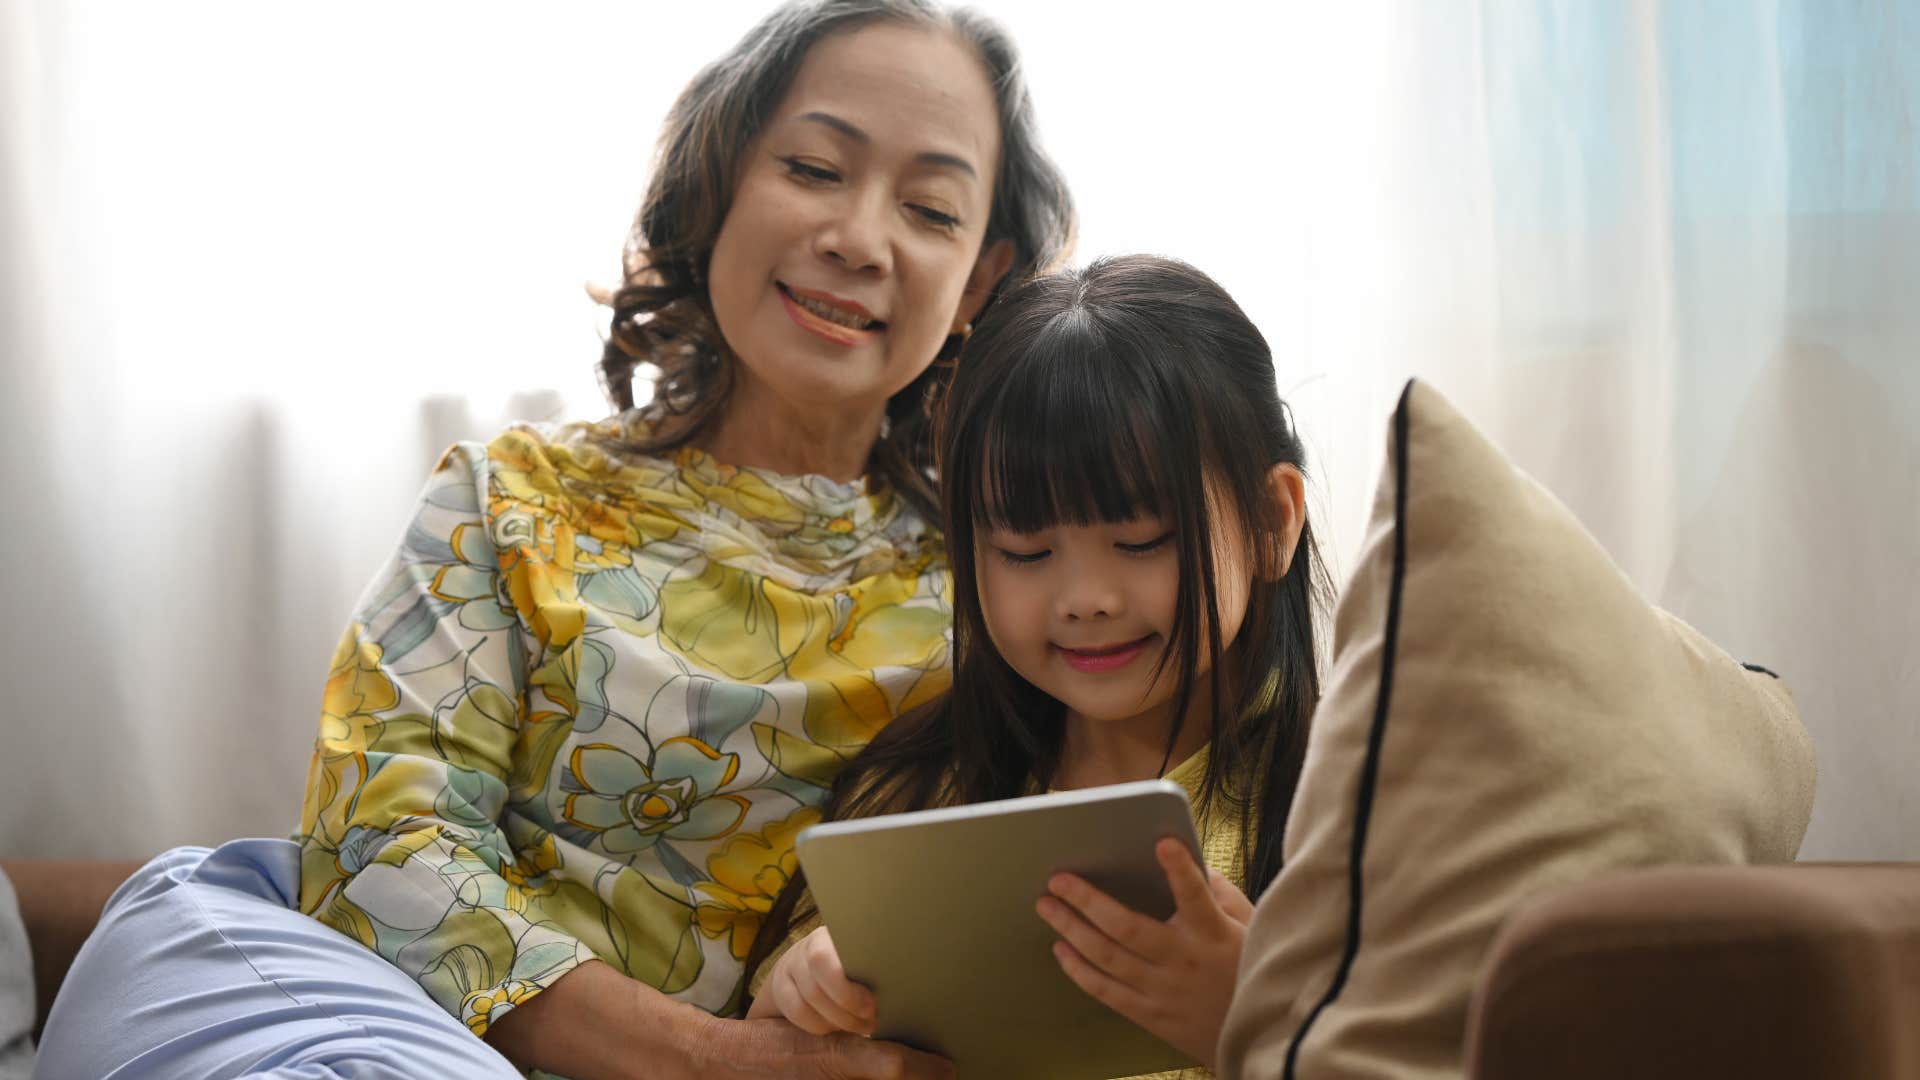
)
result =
(852, 247)
(1085, 612)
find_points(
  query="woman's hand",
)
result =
(757, 1049)
(1174, 978)
(597, 1024)
(809, 988)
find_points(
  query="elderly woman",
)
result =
(575, 724)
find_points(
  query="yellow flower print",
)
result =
(357, 690)
(531, 863)
(542, 586)
(584, 485)
(748, 873)
(736, 623)
(883, 630)
(607, 523)
(483, 1007)
(333, 782)
(519, 467)
(742, 491)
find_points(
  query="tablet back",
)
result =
(934, 910)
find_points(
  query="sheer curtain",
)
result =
(1668, 254)
(263, 263)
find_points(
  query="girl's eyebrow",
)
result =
(925, 157)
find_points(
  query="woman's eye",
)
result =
(807, 171)
(1150, 546)
(934, 217)
(1021, 558)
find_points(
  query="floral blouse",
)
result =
(585, 709)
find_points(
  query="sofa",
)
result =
(59, 902)
(1803, 970)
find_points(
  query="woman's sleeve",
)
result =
(401, 838)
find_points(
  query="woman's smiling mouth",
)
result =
(842, 322)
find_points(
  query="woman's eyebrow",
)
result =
(929, 157)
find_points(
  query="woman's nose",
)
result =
(855, 236)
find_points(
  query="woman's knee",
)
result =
(203, 966)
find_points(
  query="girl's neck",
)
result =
(763, 431)
(1094, 752)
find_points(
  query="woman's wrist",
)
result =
(595, 1023)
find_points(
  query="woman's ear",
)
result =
(992, 265)
(1290, 502)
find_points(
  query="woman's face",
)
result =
(852, 247)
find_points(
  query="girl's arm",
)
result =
(810, 989)
(1174, 978)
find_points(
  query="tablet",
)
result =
(933, 910)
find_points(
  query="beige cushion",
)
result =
(1505, 715)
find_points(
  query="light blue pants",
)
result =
(203, 968)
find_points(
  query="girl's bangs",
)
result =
(1066, 440)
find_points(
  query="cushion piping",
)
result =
(1370, 769)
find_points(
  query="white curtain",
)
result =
(262, 262)
(1669, 254)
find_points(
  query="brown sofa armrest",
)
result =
(1782, 971)
(60, 901)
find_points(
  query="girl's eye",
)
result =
(934, 217)
(806, 171)
(1150, 546)
(1021, 558)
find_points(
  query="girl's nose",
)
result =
(1090, 599)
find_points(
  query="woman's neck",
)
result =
(1094, 752)
(763, 431)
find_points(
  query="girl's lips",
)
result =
(826, 328)
(1098, 661)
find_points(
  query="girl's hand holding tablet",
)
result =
(810, 989)
(1174, 978)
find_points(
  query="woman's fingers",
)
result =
(868, 1059)
(739, 1049)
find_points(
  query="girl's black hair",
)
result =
(1135, 386)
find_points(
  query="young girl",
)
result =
(1135, 586)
